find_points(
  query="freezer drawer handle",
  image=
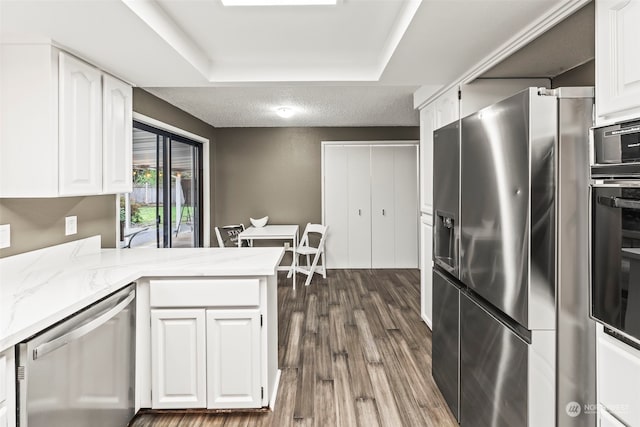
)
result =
(617, 202)
(65, 339)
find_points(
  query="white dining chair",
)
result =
(305, 249)
(228, 235)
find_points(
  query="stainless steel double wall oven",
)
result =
(615, 230)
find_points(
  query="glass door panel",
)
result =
(183, 190)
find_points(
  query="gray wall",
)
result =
(154, 107)
(582, 75)
(277, 171)
(38, 223)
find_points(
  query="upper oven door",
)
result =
(616, 150)
(615, 263)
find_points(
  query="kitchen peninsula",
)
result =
(206, 329)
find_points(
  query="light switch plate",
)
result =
(5, 236)
(70, 225)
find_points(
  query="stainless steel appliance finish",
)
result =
(615, 232)
(446, 339)
(493, 370)
(615, 286)
(576, 342)
(81, 371)
(507, 246)
(446, 230)
(527, 345)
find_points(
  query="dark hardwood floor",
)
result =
(353, 352)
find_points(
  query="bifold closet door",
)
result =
(394, 207)
(359, 206)
(383, 209)
(347, 206)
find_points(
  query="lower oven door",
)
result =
(615, 255)
(81, 372)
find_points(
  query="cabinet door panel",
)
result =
(427, 126)
(336, 206)
(233, 359)
(117, 136)
(383, 209)
(405, 194)
(426, 266)
(359, 206)
(80, 114)
(178, 358)
(617, 59)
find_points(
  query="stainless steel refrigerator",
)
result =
(526, 345)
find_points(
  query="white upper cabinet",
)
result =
(617, 60)
(117, 136)
(80, 115)
(447, 108)
(65, 126)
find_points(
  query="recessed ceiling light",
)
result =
(285, 112)
(278, 2)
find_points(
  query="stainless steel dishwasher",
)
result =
(80, 372)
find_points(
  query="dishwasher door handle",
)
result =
(65, 339)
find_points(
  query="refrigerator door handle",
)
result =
(617, 202)
(65, 339)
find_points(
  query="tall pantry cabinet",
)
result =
(370, 204)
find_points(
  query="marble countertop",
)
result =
(40, 288)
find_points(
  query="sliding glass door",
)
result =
(164, 209)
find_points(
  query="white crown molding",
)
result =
(402, 24)
(538, 27)
(162, 24)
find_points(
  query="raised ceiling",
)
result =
(352, 64)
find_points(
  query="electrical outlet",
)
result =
(70, 225)
(5, 236)
(287, 245)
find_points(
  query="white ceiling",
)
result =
(353, 64)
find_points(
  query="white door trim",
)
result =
(206, 182)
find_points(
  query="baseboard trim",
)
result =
(274, 392)
(426, 320)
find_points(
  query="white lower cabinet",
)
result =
(178, 367)
(233, 359)
(208, 343)
(7, 388)
(426, 265)
(618, 379)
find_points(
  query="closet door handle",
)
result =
(359, 212)
(382, 212)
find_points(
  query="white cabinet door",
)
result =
(426, 266)
(447, 108)
(608, 420)
(383, 209)
(405, 193)
(618, 378)
(617, 60)
(7, 389)
(116, 136)
(178, 366)
(336, 206)
(80, 143)
(427, 126)
(359, 206)
(233, 359)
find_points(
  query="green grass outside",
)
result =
(147, 215)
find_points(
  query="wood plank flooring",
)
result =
(353, 352)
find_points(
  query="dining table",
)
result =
(275, 232)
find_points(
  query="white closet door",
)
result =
(383, 209)
(336, 206)
(359, 206)
(405, 191)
